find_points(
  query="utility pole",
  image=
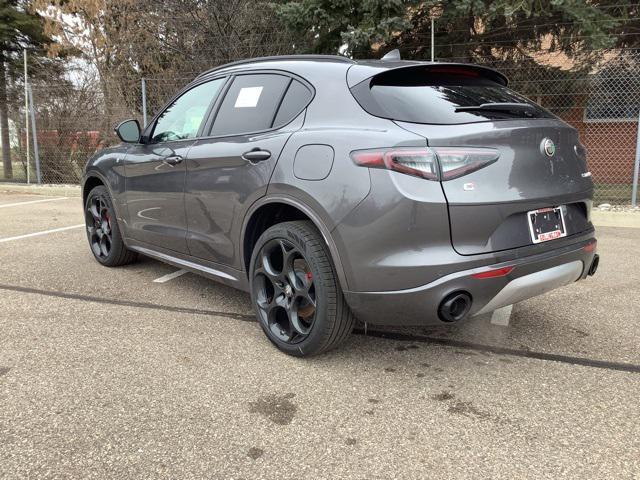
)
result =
(36, 152)
(433, 21)
(434, 12)
(26, 112)
(144, 103)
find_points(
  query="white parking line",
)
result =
(30, 202)
(170, 276)
(502, 316)
(37, 234)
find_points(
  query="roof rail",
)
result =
(326, 58)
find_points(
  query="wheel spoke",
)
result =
(95, 247)
(268, 304)
(267, 270)
(264, 303)
(288, 255)
(265, 291)
(105, 245)
(95, 212)
(296, 323)
(308, 298)
(104, 222)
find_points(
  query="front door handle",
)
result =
(172, 160)
(256, 155)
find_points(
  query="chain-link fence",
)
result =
(602, 102)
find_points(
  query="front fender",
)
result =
(108, 167)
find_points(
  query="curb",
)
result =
(50, 190)
(627, 219)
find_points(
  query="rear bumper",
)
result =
(531, 276)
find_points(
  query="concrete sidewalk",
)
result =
(629, 219)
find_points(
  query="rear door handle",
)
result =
(256, 155)
(172, 160)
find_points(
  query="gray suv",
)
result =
(392, 192)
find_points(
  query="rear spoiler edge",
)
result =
(359, 73)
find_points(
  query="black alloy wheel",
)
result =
(295, 290)
(103, 231)
(99, 231)
(284, 291)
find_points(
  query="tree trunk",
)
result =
(4, 124)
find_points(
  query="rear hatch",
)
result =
(500, 155)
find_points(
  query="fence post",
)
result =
(144, 103)
(634, 192)
(36, 152)
(26, 113)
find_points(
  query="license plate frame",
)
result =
(546, 224)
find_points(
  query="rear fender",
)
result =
(319, 220)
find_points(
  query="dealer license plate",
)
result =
(546, 224)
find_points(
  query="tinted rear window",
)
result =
(419, 96)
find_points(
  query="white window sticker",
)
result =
(248, 97)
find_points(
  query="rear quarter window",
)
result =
(295, 100)
(419, 95)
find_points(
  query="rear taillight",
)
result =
(419, 162)
(451, 162)
(456, 162)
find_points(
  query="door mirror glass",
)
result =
(128, 131)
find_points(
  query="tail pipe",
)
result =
(454, 307)
(594, 265)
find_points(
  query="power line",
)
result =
(493, 42)
(509, 28)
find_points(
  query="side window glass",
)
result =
(250, 104)
(297, 98)
(183, 117)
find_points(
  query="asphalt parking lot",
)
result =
(106, 373)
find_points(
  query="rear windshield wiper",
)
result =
(499, 107)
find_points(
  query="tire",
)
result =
(103, 231)
(291, 266)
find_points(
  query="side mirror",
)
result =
(128, 131)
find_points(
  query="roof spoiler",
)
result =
(357, 75)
